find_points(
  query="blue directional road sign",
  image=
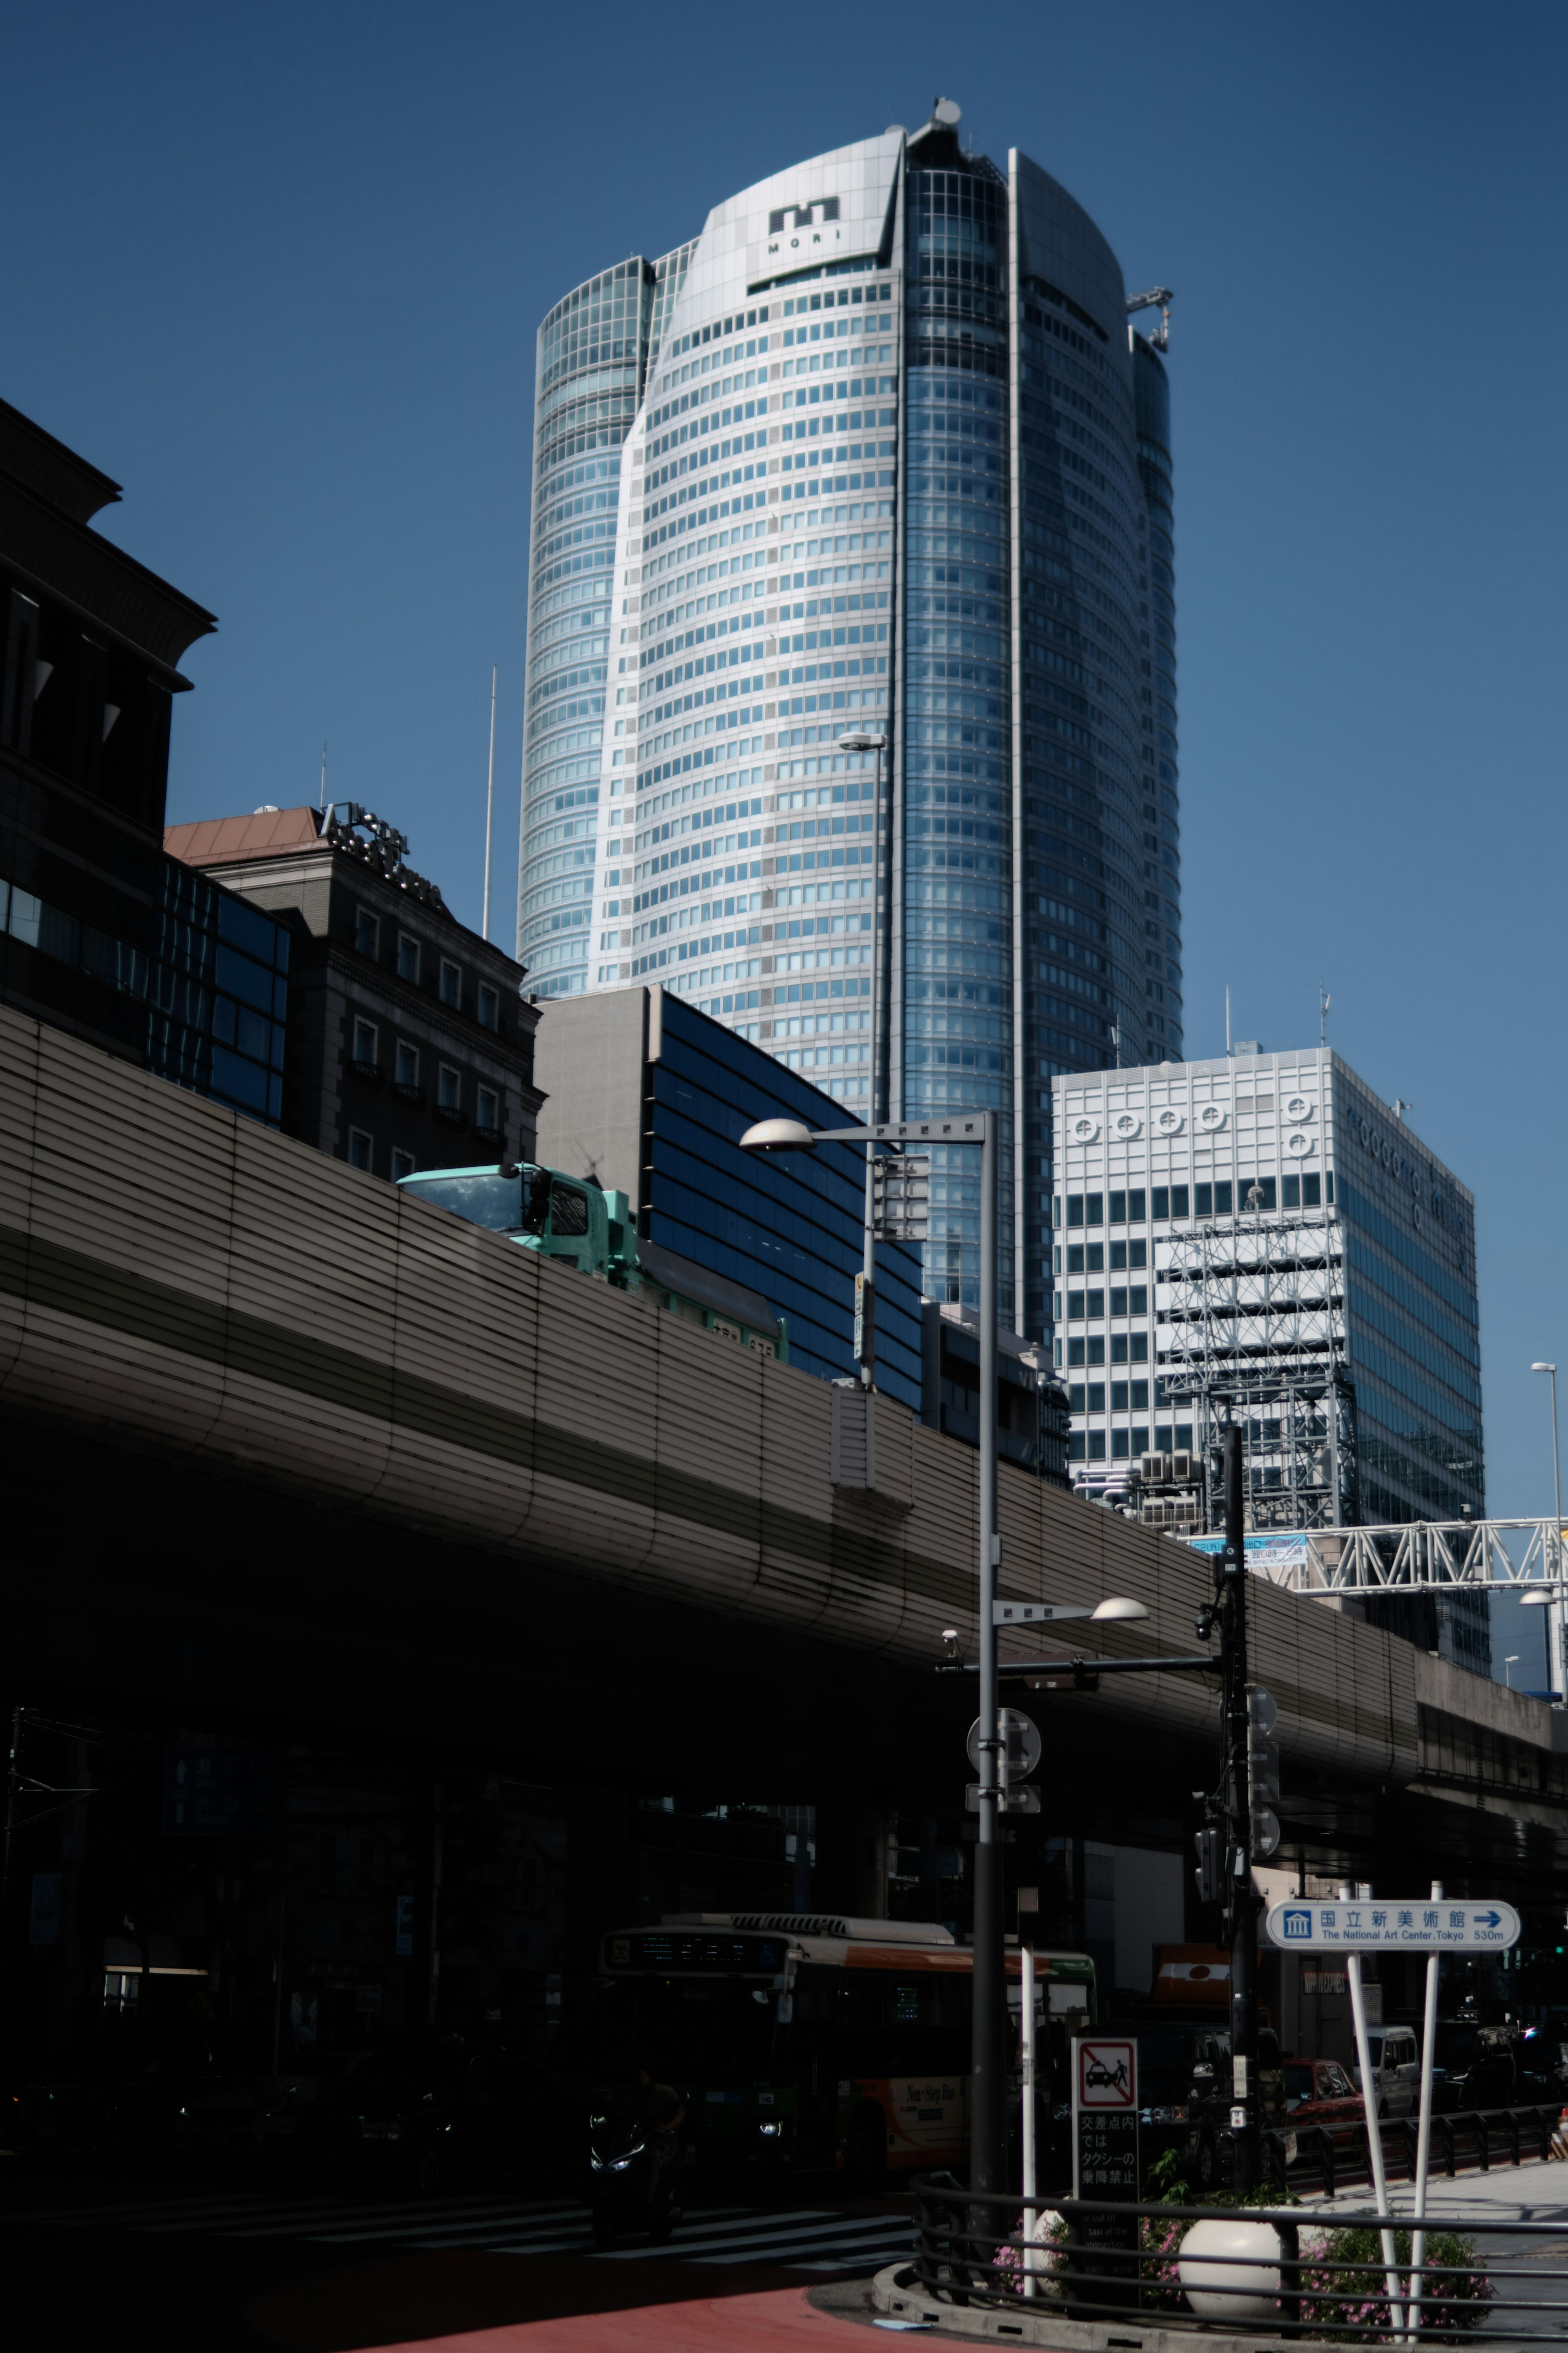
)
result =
(1366, 1926)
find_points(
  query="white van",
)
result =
(1395, 2069)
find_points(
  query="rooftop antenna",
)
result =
(489, 805)
(1401, 1107)
(322, 804)
(1227, 1022)
(1324, 1001)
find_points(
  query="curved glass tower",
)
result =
(896, 463)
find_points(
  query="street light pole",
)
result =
(1231, 1607)
(987, 2124)
(1557, 1663)
(988, 2112)
(866, 1290)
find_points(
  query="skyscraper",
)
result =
(879, 451)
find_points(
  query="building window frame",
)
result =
(367, 932)
(403, 1164)
(405, 1065)
(408, 958)
(366, 1054)
(489, 1008)
(448, 1088)
(450, 984)
(362, 1149)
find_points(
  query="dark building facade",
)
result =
(101, 933)
(644, 1091)
(1034, 1418)
(410, 1046)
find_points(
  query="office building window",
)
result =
(367, 931)
(489, 1113)
(489, 1009)
(366, 1039)
(1169, 1201)
(451, 983)
(407, 957)
(401, 1165)
(407, 1064)
(360, 1148)
(448, 1088)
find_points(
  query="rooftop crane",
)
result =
(1156, 298)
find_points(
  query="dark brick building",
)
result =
(410, 1045)
(101, 933)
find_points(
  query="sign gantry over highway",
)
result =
(1312, 1926)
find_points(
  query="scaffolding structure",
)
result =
(1252, 1330)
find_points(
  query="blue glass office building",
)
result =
(652, 1096)
(890, 455)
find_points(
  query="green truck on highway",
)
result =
(574, 1220)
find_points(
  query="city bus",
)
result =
(816, 2043)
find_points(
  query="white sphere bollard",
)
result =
(1244, 2287)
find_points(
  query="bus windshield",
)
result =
(700, 2028)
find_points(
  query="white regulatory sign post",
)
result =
(1311, 1925)
(1105, 2160)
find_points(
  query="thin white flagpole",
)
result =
(489, 804)
(1424, 2135)
(1031, 2184)
(1373, 2137)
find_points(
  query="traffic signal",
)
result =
(1210, 1873)
(1262, 1772)
(900, 1196)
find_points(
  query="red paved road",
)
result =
(778, 2321)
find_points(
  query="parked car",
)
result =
(1395, 2069)
(1474, 2066)
(1320, 2091)
(422, 2114)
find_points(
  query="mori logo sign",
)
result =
(793, 225)
(803, 216)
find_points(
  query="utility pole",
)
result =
(1231, 1610)
(988, 2087)
(12, 1782)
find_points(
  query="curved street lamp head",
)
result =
(778, 1135)
(1118, 1606)
(857, 740)
(1543, 1368)
(1535, 1600)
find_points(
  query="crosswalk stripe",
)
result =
(132, 2209)
(817, 2238)
(229, 2213)
(697, 2249)
(848, 2251)
(379, 2221)
(543, 2241)
(875, 2259)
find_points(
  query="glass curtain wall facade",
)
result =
(593, 351)
(954, 932)
(899, 464)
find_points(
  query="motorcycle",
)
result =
(621, 2161)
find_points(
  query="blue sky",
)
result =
(279, 270)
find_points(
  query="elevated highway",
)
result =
(286, 1445)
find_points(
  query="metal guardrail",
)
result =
(1339, 2159)
(1292, 2271)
